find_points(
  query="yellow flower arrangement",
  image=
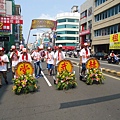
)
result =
(65, 80)
(24, 84)
(94, 74)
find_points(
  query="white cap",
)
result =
(85, 44)
(1, 49)
(12, 47)
(49, 48)
(24, 50)
(60, 46)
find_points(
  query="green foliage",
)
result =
(65, 80)
(94, 75)
(24, 84)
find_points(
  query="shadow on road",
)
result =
(89, 101)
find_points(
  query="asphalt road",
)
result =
(103, 64)
(86, 102)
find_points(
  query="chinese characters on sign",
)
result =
(65, 65)
(92, 63)
(41, 23)
(23, 68)
(114, 41)
(5, 24)
(2, 7)
(15, 19)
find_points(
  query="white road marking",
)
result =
(49, 84)
(105, 74)
(111, 76)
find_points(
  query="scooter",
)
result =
(113, 60)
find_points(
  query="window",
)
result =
(61, 26)
(107, 30)
(116, 9)
(61, 20)
(90, 11)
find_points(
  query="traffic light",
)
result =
(4, 38)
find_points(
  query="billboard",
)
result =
(43, 23)
(5, 24)
(114, 41)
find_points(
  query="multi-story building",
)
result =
(67, 29)
(106, 25)
(86, 12)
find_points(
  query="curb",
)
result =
(112, 72)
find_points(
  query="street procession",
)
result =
(59, 60)
(27, 67)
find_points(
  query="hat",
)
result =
(1, 49)
(12, 47)
(85, 44)
(49, 48)
(24, 50)
(60, 46)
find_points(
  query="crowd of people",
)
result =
(15, 56)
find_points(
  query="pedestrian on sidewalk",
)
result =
(3, 66)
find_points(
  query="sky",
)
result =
(43, 9)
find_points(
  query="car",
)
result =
(100, 55)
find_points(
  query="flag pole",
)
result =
(28, 37)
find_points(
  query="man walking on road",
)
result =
(3, 66)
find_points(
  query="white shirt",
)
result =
(36, 56)
(59, 57)
(84, 55)
(50, 57)
(29, 58)
(3, 67)
(15, 58)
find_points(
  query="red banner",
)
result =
(5, 24)
(15, 19)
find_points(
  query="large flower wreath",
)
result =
(24, 84)
(94, 74)
(66, 80)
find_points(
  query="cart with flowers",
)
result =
(24, 82)
(93, 72)
(65, 78)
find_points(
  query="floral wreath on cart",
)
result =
(65, 76)
(24, 82)
(94, 72)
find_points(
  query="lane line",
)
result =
(105, 74)
(49, 84)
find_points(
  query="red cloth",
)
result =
(24, 56)
(86, 52)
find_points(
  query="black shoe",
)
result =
(0, 85)
(55, 82)
(6, 82)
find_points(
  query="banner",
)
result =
(42, 23)
(114, 41)
(5, 24)
(15, 19)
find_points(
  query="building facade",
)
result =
(86, 14)
(67, 29)
(106, 22)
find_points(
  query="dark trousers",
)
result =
(37, 68)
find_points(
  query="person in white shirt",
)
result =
(24, 56)
(3, 66)
(59, 55)
(14, 56)
(50, 60)
(84, 55)
(36, 57)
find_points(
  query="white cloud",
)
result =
(46, 16)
